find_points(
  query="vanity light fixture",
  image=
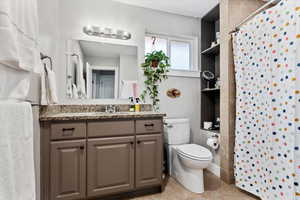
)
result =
(106, 32)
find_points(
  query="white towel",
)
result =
(13, 84)
(17, 178)
(51, 78)
(48, 87)
(75, 91)
(80, 80)
(44, 98)
(129, 89)
(19, 34)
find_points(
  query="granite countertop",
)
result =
(99, 116)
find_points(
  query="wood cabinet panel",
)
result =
(68, 170)
(148, 160)
(110, 128)
(148, 126)
(110, 165)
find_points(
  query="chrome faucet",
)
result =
(110, 109)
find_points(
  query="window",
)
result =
(180, 55)
(182, 51)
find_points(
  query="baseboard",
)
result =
(215, 169)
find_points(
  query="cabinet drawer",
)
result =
(110, 128)
(148, 126)
(62, 131)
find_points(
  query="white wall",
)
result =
(187, 105)
(74, 14)
(48, 28)
(128, 68)
(103, 61)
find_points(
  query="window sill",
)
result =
(182, 73)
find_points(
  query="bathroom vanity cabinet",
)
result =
(90, 159)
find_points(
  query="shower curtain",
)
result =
(267, 65)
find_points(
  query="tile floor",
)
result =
(215, 189)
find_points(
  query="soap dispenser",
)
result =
(137, 105)
(132, 105)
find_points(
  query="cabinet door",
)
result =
(68, 170)
(148, 160)
(110, 165)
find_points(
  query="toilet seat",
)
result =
(194, 151)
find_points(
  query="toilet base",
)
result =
(191, 179)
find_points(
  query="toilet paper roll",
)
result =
(213, 142)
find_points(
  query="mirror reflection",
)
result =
(98, 70)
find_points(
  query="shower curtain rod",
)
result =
(265, 6)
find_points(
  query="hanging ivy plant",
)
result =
(155, 69)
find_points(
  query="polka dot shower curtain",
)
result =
(267, 64)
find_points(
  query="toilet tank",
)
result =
(176, 131)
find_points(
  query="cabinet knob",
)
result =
(139, 142)
(81, 147)
(131, 142)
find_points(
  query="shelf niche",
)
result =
(210, 60)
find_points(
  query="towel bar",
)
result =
(43, 57)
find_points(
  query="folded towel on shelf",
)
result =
(48, 87)
(17, 178)
(128, 89)
(19, 35)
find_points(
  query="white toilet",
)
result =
(186, 161)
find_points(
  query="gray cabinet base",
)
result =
(110, 159)
(132, 194)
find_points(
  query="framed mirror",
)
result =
(97, 70)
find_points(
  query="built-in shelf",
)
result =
(211, 131)
(212, 50)
(211, 90)
(210, 61)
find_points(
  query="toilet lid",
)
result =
(195, 151)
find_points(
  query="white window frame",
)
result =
(193, 41)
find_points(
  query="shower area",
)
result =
(266, 52)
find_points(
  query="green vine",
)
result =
(155, 69)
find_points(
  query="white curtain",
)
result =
(19, 52)
(19, 35)
(267, 63)
(19, 56)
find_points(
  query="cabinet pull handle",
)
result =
(81, 147)
(139, 142)
(68, 129)
(147, 125)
